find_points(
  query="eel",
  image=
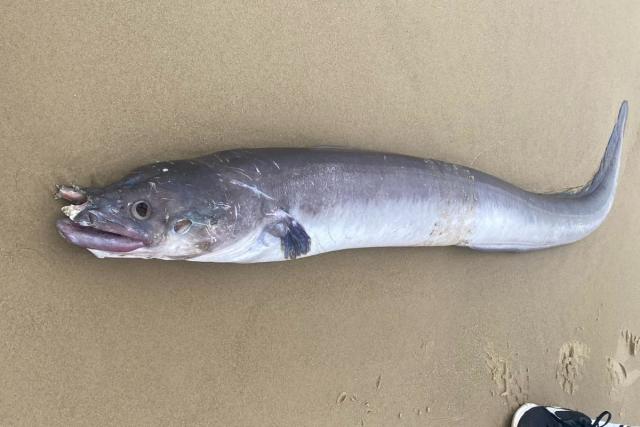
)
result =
(275, 204)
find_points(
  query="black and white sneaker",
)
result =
(531, 415)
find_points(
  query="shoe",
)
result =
(531, 415)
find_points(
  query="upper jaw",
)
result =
(90, 218)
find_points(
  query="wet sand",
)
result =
(380, 337)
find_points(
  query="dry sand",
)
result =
(406, 337)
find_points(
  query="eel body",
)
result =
(274, 204)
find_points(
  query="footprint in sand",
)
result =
(570, 369)
(624, 367)
(511, 382)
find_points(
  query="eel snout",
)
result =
(87, 228)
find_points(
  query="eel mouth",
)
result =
(106, 238)
(91, 229)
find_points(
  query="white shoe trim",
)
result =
(520, 412)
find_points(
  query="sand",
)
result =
(380, 337)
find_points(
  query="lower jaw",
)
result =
(91, 238)
(98, 253)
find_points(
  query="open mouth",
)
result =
(88, 229)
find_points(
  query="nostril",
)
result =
(86, 218)
(92, 217)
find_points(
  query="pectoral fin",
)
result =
(294, 240)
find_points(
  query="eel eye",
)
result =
(182, 226)
(141, 210)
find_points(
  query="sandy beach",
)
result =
(376, 337)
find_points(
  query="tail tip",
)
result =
(622, 115)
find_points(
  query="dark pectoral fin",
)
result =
(296, 241)
(293, 238)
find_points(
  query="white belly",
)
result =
(359, 225)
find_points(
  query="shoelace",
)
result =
(596, 422)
